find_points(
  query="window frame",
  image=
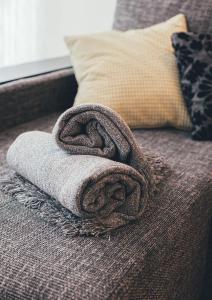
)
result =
(31, 69)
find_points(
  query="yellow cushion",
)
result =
(133, 72)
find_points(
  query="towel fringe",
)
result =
(158, 171)
(50, 209)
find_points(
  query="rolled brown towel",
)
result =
(97, 130)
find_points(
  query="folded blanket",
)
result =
(98, 130)
(108, 193)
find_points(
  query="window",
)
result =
(33, 30)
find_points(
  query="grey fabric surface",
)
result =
(98, 130)
(110, 193)
(207, 287)
(162, 257)
(132, 14)
(29, 98)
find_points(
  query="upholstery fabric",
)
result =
(30, 98)
(163, 257)
(134, 73)
(132, 14)
(109, 193)
(194, 59)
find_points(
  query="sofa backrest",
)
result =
(131, 14)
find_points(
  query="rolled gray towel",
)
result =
(108, 192)
(97, 130)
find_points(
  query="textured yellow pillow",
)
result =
(132, 72)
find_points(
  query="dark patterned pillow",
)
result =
(194, 59)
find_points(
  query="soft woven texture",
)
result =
(194, 59)
(109, 193)
(131, 14)
(134, 73)
(162, 257)
(47, 93)
(97, 130)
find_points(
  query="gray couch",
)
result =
(165, 256)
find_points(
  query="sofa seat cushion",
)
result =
(161, 257)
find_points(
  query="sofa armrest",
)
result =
(29, 98)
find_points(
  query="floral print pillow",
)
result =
(194, 58)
